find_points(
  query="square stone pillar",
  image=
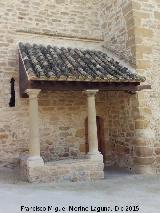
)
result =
(144, 138)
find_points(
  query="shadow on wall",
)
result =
(131, 140)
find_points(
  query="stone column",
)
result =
(34, 144)
(92, 126)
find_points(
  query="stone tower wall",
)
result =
(118, 29)
(147, 16)
(135, 30)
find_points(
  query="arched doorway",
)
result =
(100, 134)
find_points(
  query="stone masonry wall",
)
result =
(146, 16)
(121, 129)
(118, 29)
(142, 32)
(68, 170)
(62, 17)
(130, 29)
(62, 125)
(38, 21)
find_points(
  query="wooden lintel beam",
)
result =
(80, 86)
(139, 88)
(143, 87)
(23, 79)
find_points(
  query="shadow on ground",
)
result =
(110, 172)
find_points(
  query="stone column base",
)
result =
(29, 163)
(32, 161)
(35, 161)
(95, 156)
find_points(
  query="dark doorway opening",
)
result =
(100, 134)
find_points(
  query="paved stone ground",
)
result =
(118, 189)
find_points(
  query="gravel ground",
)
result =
(118, 190)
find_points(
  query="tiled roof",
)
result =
(68, 64)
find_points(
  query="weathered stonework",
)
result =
(118, 29)
(130, 29)
(72, 19)
(147, 57)
(65, 170)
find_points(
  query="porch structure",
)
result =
(61, 69)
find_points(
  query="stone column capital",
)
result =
(91, 92)
(33, 93)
